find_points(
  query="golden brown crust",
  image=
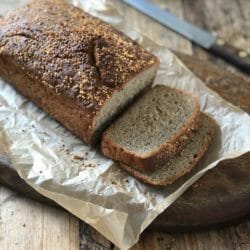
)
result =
(63, 110)
(140, 175)
(158, 157)
(75, 55)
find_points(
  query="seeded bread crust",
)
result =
(68, 62)
(161, 181)
(157, 158)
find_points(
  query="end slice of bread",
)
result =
(156, 127)
(181, 163)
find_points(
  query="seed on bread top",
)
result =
(72, 52)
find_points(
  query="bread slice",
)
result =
(80, 70)
(181, 163)
(153, 129)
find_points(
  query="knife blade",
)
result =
(204, 39)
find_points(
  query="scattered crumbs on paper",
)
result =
(88, 165)
(77, 157)
(85, 166)
(62, 148)
(113, 182)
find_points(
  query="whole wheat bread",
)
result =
(153, 129)
(74, 66)
(181, 163)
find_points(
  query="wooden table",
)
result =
(29, 225)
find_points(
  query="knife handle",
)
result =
(237, 57)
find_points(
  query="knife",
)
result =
(215, 45)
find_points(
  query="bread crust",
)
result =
(77, 60)
(197, 156)
(154, 159)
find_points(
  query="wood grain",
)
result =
(224, 18)
(236, 237)
(29, 225)
(233, 88)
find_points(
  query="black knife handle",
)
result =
(237, 57)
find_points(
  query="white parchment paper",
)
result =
(79, 178)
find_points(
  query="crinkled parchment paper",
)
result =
(79, 178)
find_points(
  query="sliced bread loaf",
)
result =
(78, 69)
(182, 162)
(153, 129)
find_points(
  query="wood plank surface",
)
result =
(28, 225)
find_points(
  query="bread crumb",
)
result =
(77, 157)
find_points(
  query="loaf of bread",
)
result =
(156, 127)
(77, 68)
